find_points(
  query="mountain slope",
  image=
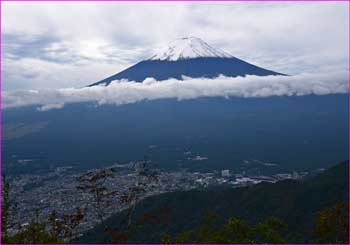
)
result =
(294, 202)
(189, 57)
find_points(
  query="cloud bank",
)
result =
(121, 92)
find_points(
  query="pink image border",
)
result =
(256, 1)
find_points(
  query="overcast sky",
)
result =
(73, 44)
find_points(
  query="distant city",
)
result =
(58, 189)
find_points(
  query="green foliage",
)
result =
(53, 230)
(233, 231)
(332, 224)
(5, 206)
(35, 232)
(270, 231)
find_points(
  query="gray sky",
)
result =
(72, 44)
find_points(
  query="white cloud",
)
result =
(124, 92)
(90, 40)
(50, 107)
(35, 73)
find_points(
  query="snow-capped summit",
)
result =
(188, 57)
(187, 48)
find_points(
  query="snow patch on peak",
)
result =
(187, 48)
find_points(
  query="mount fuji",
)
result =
(201, 134)
(190, 57)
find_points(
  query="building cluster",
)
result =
(58, 190)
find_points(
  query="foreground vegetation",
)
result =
(314, 210)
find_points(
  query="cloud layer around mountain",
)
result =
(121, 92)
(73, 44)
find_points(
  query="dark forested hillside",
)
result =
(296, 203)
